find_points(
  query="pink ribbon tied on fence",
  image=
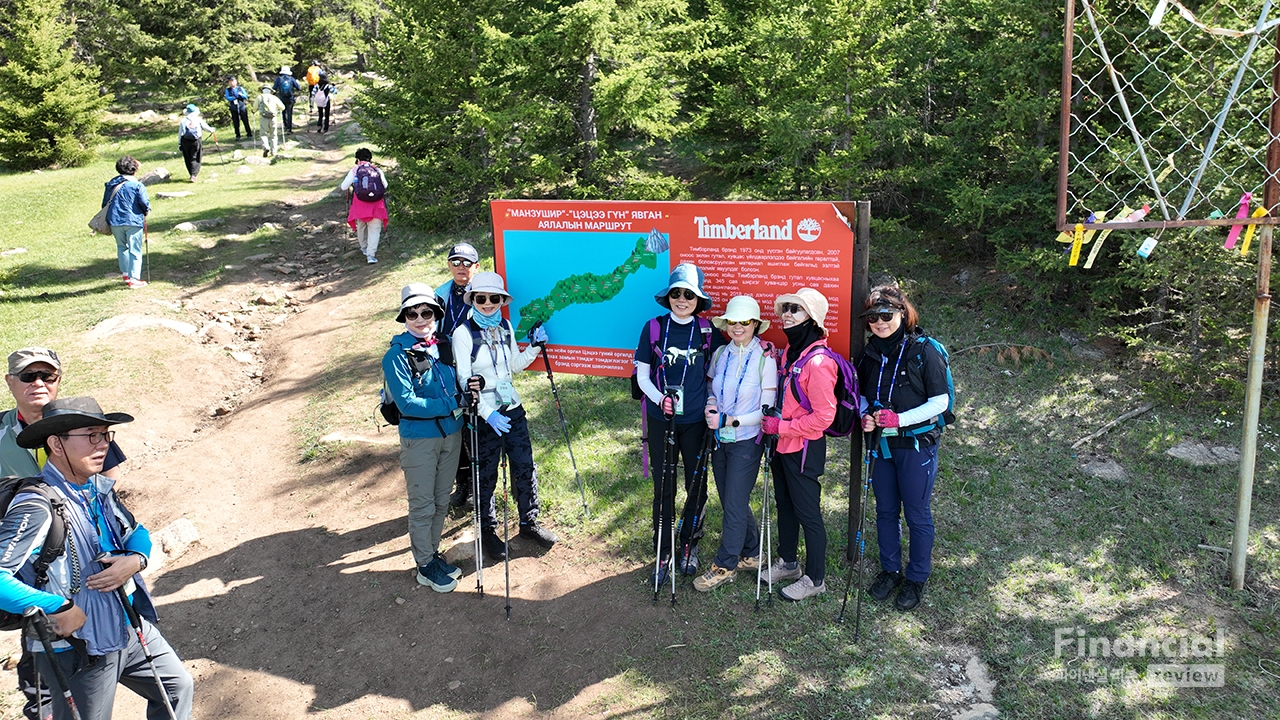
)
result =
(1241, 214)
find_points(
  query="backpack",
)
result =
(284, 86)
(655, 333)
(477, 340)
(321, 99)
(188, 128)
(54, 543)
(266, 109)
(846, 391)
(313, 75)
(369, 185)
(418, 364)
(948, 416)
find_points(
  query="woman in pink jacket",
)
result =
(802, 447)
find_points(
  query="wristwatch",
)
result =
(142, 559)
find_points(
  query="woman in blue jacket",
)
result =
(128, 218)
(426, 392)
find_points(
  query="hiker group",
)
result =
(716, 397)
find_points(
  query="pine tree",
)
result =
(50, 107)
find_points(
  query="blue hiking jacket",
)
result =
(130, 206)
(432, 396)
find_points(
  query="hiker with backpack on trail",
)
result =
(191, 129)
(743, 379)
(91, 584)
(366, 188)
(672, 359)
(314, 71)
(463, 263)
(285, 88)
(322, 97)
(485, 346)
(809, 371)
(908, 395)
(238, 103)
(125, 198)
(270, 114)
(425, 391)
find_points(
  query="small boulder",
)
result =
(1198, 453)
(185, 227)
(154, 176)
(237, 155)
(1104, 468)
(242, 357)
(270, 296)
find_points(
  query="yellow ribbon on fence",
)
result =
(1075, 246)
(1248, 234)
(1124, 212)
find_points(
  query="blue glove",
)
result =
(499, 422)
(538, 336)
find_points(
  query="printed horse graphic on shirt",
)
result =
(674, 354)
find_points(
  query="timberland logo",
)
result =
(809, 229)
(754, 230)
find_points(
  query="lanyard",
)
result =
(454, 317)
(494, 356)
(888, 401)
(732, 408)
(89, 501)
(666, 334)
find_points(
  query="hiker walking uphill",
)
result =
(323, 99)
(802, 445)
(366, 187)
(238, 103)
(743, 379)
(127, 208)
(425, 391)
(191, 129)
(270, 119)
(908, 397)
(485, 345)
(313, 79)
(286, 88)
(463, 263)
(671, 359)
(93, 587)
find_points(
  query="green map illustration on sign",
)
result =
(589, 288)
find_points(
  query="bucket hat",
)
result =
(286, 70)
(464, 251)
(486, 283)
(24, 358)
(419, 294)
(266, 88)
(685, 275)
(64, 415)
(191, 109)
(742, 307)
(814, 304)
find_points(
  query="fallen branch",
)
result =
(1098, 433)
(1215, 548)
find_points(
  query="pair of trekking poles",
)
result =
(696, 502)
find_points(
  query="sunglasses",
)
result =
(94, 437)
(677, 293)
(459, 262)
(881, 316)
(487, 299)
(793, 308)
(414, 314)
(743, 323)
(48, 377)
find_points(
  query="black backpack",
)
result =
(418, 364)
(54, 542)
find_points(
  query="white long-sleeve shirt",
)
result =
(496, 362)
(742, 381)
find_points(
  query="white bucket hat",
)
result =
(486, 283)
(742, 307)
(814, 304)
(286, 70)
(419, 294)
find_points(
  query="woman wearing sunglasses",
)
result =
(425, 390)
(671, 370)
(743, 379)
(801, 455)
(903, 376)
(485, 345)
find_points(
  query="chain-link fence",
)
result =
(1166, 105)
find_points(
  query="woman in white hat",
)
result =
(485, 346)
(802, 447)
(671, 371)
(425, 392)
(191, 130)
(743, 379)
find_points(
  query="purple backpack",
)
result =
(846, 391)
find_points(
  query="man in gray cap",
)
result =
(463, 263)
(93, 587)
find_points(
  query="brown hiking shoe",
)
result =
(713, 578)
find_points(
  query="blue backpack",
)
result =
(948, 416)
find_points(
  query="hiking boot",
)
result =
(782, 570)
(804, 588)
(371, 260)
(659, 576)
(689, 563)
(435, 578)
(713, 578)
(909, 596)
(749, 563)
(493, 545)
(885, 583)
(460, 498)
(537, 533)
(452, 571)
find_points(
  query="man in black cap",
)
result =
(84, 589)
(463, 263)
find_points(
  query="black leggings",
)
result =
(799, 500)
(689, 439)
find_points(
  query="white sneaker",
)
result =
(802, 589)
(371, 260)
(778, 571)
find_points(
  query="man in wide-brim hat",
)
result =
(105, 550)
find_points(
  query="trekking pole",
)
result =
(475, 494)
(222, 160)
(860, 541)
(40, 623)
(766, 532)
(668, 474)
(146, 248)
(564, 427)
(506, 530)
(136, 621)
(697, 497)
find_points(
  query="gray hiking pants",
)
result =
(429, 465)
